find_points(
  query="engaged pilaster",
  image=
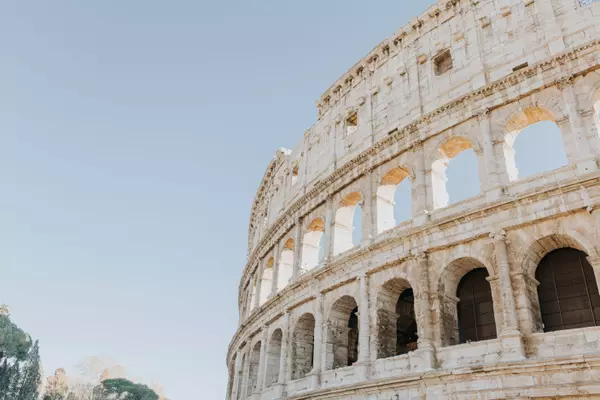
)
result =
(318, 356)
(512, 341)
(423, 312)
(262, 364)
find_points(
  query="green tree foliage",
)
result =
(14, 343)
(20, 380)
(124, 389)
(31, 375)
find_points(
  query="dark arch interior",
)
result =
(406, 325)
(568, 291)
(475, 307)
(353, 337)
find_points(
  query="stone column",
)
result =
(245, 376)
(509, 314)
(512, 342)
(374, 182)
(364, 331)
(329, 224)
(423, 312)
(318, 356)
(420, 202)
(492, 185)
(262, 363)
(576, 141)
(275, 275)
(595, 263)
(283, 367)
(298, 243)
(369, 226)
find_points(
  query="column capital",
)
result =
(565, 82)
(419, 255)
(498, 235)
(483, 114)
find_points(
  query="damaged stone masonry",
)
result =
(492, 297)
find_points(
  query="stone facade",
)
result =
(321, 316)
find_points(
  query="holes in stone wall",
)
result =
(266, 282)
(348, 223)
(273, 358)
(533, 144)
(240, 374)
(253, 368)
(454, 175)
(286, 264)
(520, 66)
(303, 341)
(452, 325)
(396, 323)
(295, 174)
(476, 319)
(442, 63)
(568, 292)
(394, 199)
(312, 245)
(342, 334)
(351, 123)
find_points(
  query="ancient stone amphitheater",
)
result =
(495, 296)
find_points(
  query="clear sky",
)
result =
(133, 136)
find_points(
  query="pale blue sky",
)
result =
(133, 135)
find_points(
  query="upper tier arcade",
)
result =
(454, 49)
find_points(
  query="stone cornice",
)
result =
(360, 164)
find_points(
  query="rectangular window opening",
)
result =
(442, 63)
(352, 123)
(520, 66)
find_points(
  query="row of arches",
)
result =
(457, 173)
(568, 298)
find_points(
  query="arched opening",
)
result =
(312, 245)
(348, 218)
(253, 368)
(396, 322)
(476, 319)
(454, 175)
(240, 379)
(252, 297)
(231, 377)
(466, 311)
(394, 199)
(273, 358)
(597, 110)
(303, 342)
(286, 264)
(529, 134)
(266, 282)
(568, 291)
(342, 334)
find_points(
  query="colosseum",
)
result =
(491, 297)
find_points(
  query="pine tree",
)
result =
(5, 378)
(31, 379)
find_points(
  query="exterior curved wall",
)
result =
(395, 115)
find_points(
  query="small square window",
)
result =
(352, 123)
(442, 63)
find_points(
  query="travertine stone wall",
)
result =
(465, 74)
